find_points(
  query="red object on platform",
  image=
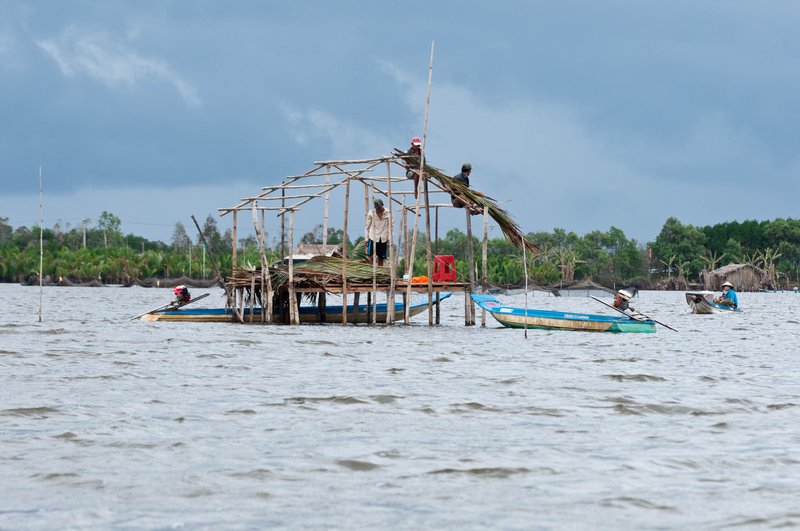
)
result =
(444, 268)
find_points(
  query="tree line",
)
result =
(102, 252)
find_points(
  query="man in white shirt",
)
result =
(377, 233)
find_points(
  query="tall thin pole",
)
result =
(416, 205)
(283, 223)
(429, 255)
(233, 243)
(390, 295)
(228, 292)
(525, 266)
(484, 259)
(327, 202)
(471, 265)
(41, 241)
(344, 252)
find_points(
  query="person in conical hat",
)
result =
(728, 297)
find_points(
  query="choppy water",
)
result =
(110, 423)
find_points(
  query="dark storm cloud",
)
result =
(578, 107)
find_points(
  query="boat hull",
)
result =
(308, 314)
(553, 320)
(703, 303)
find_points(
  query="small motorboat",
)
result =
(553, 320)
(702, 302)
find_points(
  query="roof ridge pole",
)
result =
(413, 251)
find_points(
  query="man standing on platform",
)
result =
(377, 232)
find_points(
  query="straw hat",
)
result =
(625, 294)
(728, 284)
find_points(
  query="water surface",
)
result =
(106, 422)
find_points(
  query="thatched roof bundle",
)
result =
(474, 200)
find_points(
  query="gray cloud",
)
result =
(99, 57)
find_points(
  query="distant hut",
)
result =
(744, 277)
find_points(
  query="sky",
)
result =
(574, 114)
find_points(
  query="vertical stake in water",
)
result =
(525, 267)
(41, 241)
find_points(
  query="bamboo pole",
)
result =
(294, 313)
(429, 257)
(41, 242)
(283, 224)
(525, 267)
(436, 252)
(344, 250)
(252, 294)
(372, 296)
(417, 194)
(230, 295)
(471, 266)
(266, 310)
(233, 255)
(392, 266)
(428, 253)
(327, 203)
(485, 259)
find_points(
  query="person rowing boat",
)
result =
(622, 305)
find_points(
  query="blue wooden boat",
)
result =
(552, 320)
(308, 314)
(702, 302)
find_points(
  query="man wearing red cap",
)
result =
(415, 151)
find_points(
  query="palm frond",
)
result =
(474, 200)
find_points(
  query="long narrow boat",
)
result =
(308, 314)
(702, 302)
(552, 320)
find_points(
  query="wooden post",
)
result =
(485, 259)
(392, 265)
(252, 294)
(344, 249)
(233, 255)
(266, 296)
(471, 266)
(436, 252)
(322, 304)
(428, 253)
(525, 267)
(424, 178)
(327, 202)
(228, 292)
(283, 224)
(356, 301)
(294, 312)
(405, 233)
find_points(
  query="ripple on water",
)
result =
(39, 412)
(486, 472)
(356, 465)
(634, 378)
(626, 501)
(349, 400)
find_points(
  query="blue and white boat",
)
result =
(513, 317)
